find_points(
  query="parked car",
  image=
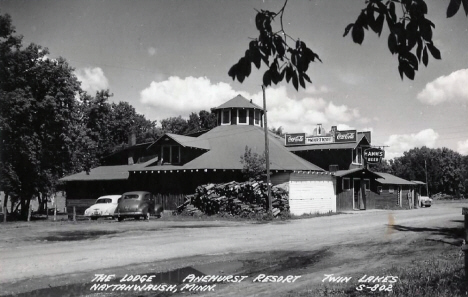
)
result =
(139, 204)
(104, 207)
(425, 201)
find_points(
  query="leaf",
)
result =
(259, 21)
(379, 23)
(419, 50)
(232, 71)
(306, 77)
(294, 81)
(434, 51)
(267, 78)
(301, 81)
(425, 57)
(289, 73)
(453, 7)
(465, 6)
(358, 34)
(278, 42)
(392, 43)
(346, 31)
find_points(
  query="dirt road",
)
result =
(67, 255)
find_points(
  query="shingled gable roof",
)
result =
(227, 145)
(186, 141)
(390, 179)
(238, 102)
(116, 172)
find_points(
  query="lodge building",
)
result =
(325, 172)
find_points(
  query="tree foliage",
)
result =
(447, 170)
(254, 165)
(284, 56)
(202, 121)
(39, 119)
(409, 38)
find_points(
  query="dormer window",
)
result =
(243, 115)
(226, 117)
(170, 154)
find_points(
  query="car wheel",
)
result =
(94, 218)
(120, 219)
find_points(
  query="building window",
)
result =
(357, 156)
(390, 189)
(165, 154)
(257, 117)
(226, 117)
(175, 154)
(367, 184)
(243, 116)
(346, 184)
(170, 154)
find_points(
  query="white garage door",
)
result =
(311, 197)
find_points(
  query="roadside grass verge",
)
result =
(441, 276)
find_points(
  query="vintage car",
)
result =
(138, 204)
(425, 201)
(104, 207)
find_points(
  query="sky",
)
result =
(170, 58)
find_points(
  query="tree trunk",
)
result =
(5, 209)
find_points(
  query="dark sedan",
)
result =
(138, 205)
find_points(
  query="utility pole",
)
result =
(267, 150)
(427, 185)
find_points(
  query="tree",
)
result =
(176, 125)
(254, 165)
(447, 171)
(278, 131)
(193, 123)
(39, 119)
(208, 120)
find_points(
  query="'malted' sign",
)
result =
(345, 136)
(295, 139)
(373, 155)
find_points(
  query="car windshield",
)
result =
(104, 200)
(131, 196)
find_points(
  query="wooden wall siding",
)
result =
(170, 201)
(387, 200)
(312, 196)
(325, 158)
(344, 201)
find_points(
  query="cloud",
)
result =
(399, 143)
(92, 79)
(463, 147)
(181, 96)
(152, 51)
(446, 88)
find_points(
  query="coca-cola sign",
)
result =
(295, 139)
(345, 136)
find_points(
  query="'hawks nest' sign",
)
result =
(373, 155)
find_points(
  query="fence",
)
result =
(170, 201)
